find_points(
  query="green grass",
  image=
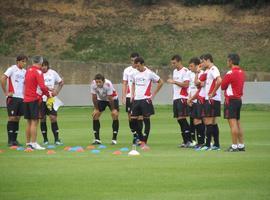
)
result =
(157, 43)
(164, 172)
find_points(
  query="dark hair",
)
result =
(195, 60)
(99, 77)
(177, 58)
(134, 55)
(201, 57)
(208, 56)
(234, 57)
(139, 60)
(46, 63)
(21, 57)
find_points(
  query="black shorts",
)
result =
(103, 104)
(45, 111)
(212, 108)
(128, 105)
(32, 110)
(142, 107)
(14, 106)
(180, 108)
(232, 109)
(197, 110)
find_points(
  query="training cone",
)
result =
(28, 150)
(67, 148)
(124, 149)
(1, 151)
(117, 153)
(80, 150)
(95, 151)
(51, 147)
(133, 153)
(102, 146)
(49, 152)
(90, 147)
(20, 149)
(13, 147)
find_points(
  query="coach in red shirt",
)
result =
(233, 84)
(34, 88)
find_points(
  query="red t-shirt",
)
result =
(33, 80)
(233, 83)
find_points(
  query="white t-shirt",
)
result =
(192, 88)
(180, 76)
(202, 89)
(105, 91)
(16, 80)
(143, 83)
(51, 78)
(127, 76)
(212, 75)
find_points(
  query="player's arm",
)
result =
(180, 84)
(58, 88)
(132, 91)
(124, 91)
(95, 101)
(225, 82)
(41, 84)
(217, 85)
(159, 85)
(4, 85)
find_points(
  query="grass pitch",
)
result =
(164, 172)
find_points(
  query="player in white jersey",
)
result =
(142, 97)
(196, 100)
(54, 82)
(126, 94)
(212, 102)
(180, 82)
(103, 95)
(12, 83)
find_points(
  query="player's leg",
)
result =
(216, 107)
(147, 110)
(43, 124)
(54, 127)
(135, 113)
(115, 121)
(96, 123)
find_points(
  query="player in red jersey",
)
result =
(233, 86)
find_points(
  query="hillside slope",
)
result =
(107, 31)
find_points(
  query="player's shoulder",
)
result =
(229, 72)
(107, 83)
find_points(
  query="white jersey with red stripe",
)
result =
(180, 76)
(16, 78)
(210, 82)
(51, 78)
(143, 83)
(103, 92)
(127, 76)
(201, 94)
(192, 89)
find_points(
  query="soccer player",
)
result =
(142, 97)
(54, 82)
(14, 79)
(126, 94)
(212, 102)
(196, 100)
(180, 83)
(233, 85)
(103, 95)
(34, 88)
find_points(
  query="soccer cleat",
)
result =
(114, 142)
(205, 148)
(58, 142)
(215, 148)
(183, 145)
(190, 145)
(230, 149)
(241, 149)
(46, 142)
(36, 146)
(96, 142)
